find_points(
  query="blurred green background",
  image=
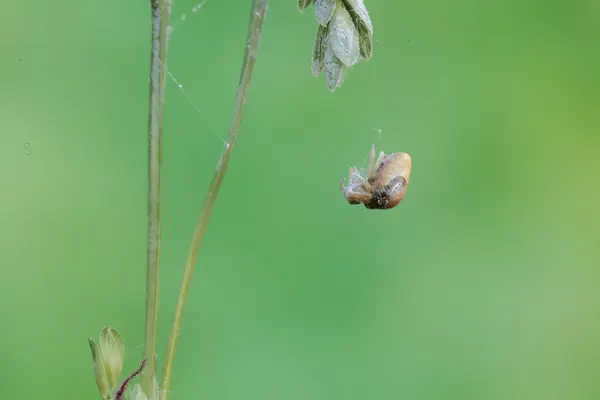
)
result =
(482, 284)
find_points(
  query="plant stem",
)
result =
(255, 25)
(161, 12)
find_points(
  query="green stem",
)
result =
(161, 12)
(255, 25)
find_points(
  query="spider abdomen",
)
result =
(385, 185)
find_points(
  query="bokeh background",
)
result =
(482, 284)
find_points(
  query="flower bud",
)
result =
(334, 69)
(319, 49)
(302, 4)
(99, 370)
(343, 36)
(324, 10)
(112, 348)
(362, 21)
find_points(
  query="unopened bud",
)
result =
(99, 370)
(113, 351)
(343, 36)
(334, 70)
(302, 4)
(324, 10)
(362, 21)
(319, 49)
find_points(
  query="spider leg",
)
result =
(380, 158)
(357, 196)
(375, 167)
(357, 180)
(355, 177)
(367, 186)
(371, 161)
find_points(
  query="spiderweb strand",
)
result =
(172, 77)
(183, 17)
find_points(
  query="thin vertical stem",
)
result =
(161, 13)
(255, 26)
